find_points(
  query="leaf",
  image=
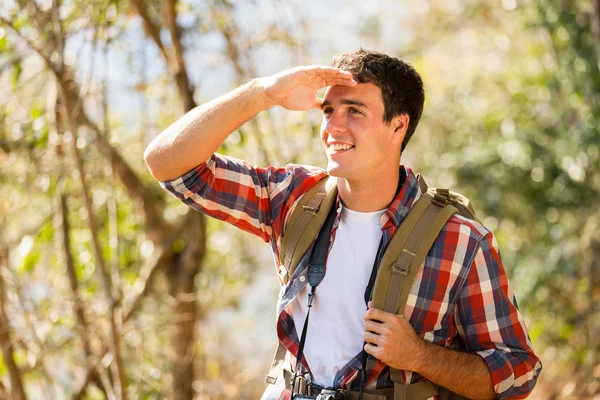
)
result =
(15, 73)
(46, 233)
(3, 41)
(3, 370)
(30, 261)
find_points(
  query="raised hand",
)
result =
(296, 88)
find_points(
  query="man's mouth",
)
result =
(337, 148)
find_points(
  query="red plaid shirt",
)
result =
(460, 299)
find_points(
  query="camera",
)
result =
(326, 394)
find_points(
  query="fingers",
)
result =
(372, 350)
(330, 75)
(372, 326)
(317, 103)
(378, 315)
(372, 338)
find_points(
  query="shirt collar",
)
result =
(408, 193)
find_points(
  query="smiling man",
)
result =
(460, 329)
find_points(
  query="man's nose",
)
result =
(335, 124)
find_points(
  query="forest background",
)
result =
(109, 288)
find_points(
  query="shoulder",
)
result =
(301, 178)
(459, 243)
(463, 226)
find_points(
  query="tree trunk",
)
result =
(182, 276)
(16, 380)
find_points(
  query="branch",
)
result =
(29, 43)
(181, 77)
(153, 218)
(113, 303)
(143, 287)
(145, 280)
(16, 380)
(135, 189)
(111, 203)
(233, 52)
(78, 303)
(58, 33)
(598, 19)
(151, 28)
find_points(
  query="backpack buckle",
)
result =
(441, 197)
(310, 209)
(402, 267)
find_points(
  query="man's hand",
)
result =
(193, 138)
(296, 88)
(391, 339)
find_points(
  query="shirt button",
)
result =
(302, 278)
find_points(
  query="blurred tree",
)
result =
(520, 136)
(511, 119)
(58, 106)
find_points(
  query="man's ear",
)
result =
(401, 124)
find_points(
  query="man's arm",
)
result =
(489, 323)
(193, 138)
(391, 339)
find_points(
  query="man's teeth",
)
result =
(341, 146)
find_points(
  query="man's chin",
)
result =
(336, 170)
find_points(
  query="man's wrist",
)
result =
(262, 98)
(422, 355)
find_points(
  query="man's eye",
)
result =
(353, 110)
(327, 110)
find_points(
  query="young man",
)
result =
(460, 300)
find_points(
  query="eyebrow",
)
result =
(346, 102)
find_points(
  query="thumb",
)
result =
(317, 102)
(370, 304)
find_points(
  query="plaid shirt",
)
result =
(460, 299)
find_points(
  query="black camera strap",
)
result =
(316, 273)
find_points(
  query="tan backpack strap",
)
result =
(395, 264)
(401, 262)
(277, 364)
(417, 391)
(302, 230)
(305, 223)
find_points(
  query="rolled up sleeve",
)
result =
(251, 198)
(492, 327)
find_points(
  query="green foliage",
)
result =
(2, 366)
(529, 159)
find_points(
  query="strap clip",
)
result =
(441, 197)
(402, 265)
(311, 209)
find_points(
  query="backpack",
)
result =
(402, 260)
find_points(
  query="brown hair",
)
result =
(401, 86)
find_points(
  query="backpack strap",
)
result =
(301, 231)
(304, 224)
(401, 262)
(407, 251)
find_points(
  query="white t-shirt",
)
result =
(336, 326)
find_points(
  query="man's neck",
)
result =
(369, 195)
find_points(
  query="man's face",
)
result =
(358, 143)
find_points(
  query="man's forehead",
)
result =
(363, 93)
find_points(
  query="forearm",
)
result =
(463, 373)
(194, 137)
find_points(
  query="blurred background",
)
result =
(109, 288)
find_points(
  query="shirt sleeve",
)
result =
(492, 327)
(251, 198)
